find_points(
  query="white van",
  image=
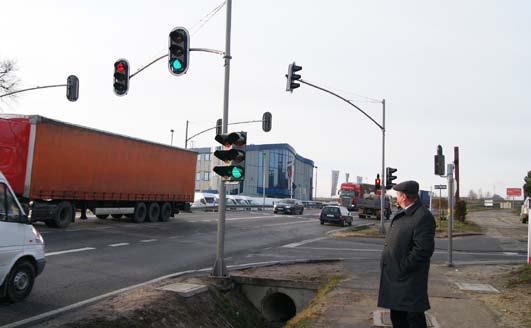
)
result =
(21, 247)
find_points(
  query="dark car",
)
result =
(336, 214)
(289, 206)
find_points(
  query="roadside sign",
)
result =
(514, 192)
(440, 186)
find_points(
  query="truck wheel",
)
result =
(153, 212)
(165, 212)
(20, 281)
(140, 213)
(63, 216)
(102, 216)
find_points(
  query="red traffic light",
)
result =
(120, 67)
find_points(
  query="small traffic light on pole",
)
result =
(266, 121)
(121, 77)
(292, 78)
(178, 51)
(439, 161)
(72, 88)
(377, 182)
(235, 156)
(389, 177)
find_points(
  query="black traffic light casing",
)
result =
(377, 182)
(390, 177)
(121, 77)
(292, 78)
(72, 88)
(439, 161)
(266, 121)
(234, 156)
(178, 51)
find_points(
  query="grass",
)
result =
(458, 227)
(520, 276)
(303, 319)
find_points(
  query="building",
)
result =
(285, 173)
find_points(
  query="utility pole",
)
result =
(220, 269)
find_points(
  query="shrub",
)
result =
(460, 211)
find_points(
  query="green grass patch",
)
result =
(458, 227)
(520, 276)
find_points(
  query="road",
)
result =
(95, 257)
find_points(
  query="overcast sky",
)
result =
(454, 73)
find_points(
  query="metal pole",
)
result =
(382, 199)
(450, 168)
(220, 270)
(171, 142)
(186, 136)
(263, 180)
(315, 197)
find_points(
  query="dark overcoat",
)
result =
(405, 261)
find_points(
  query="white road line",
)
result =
(242, 219)
(293, 245)
(70, 251)
(118, 245)
(148, 240)
(294, 222)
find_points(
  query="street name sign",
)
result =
(440, 186)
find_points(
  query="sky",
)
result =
(452, 73)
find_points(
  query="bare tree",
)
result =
(8, 78)
(472, 195)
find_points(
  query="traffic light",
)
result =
(72, 88)
(377, 183)
(121, 77)
(439, 161)
(292, 77)
(178, 51)
(266, 122)
(389, 177)
(235, 156)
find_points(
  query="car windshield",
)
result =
(289, 201)
(331, 210)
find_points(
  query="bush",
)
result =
(460, 211)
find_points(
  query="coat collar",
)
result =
(409, 211)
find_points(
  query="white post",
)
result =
(263, 180)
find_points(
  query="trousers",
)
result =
(402, 319)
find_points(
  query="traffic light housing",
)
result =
(234, 156)
(266, 121)
(377, 182)
(439, 161)
(121, 77)
(178, 51)
(72, 88)
(389, 177)
(292, 78)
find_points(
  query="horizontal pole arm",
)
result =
(195, 135)
(35, 88)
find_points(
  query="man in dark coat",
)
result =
(405, 261)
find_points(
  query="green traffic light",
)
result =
(177, 65)
(236, 173)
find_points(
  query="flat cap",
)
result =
(407, 187)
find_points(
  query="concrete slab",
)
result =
(184, 289)
(477, 287)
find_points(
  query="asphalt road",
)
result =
(95, 257)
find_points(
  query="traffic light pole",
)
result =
(220, 269)
(382, 128)
(212, 128)
(35, 88)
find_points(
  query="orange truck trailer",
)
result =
(56, 168)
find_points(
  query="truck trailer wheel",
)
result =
(102, 216)
(20, 281)
(140, 213)
(165, 212)
(153, 212)
(64, 215)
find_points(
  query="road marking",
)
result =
(242, 219)
(118, 245)
(148, 240)
(70, 251)
(293, 245)
(281, 224)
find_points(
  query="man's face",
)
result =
(400, 199)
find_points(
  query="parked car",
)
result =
(336, 214)
(289, 206)
(524, 212)
(21, 247)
